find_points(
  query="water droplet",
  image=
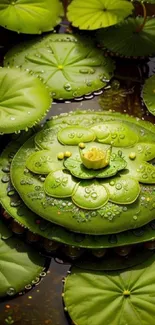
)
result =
(135, 218)
(112, 183)
(67, 87)
(11, 292)
(88, 83)
(12, 118)
(118, 186)
(5, 179)
(6, 169)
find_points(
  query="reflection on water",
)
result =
(43, 304)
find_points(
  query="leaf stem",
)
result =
(65, 3)
(140, 28)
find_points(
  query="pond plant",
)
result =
(82, 181)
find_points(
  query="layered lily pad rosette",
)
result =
(20, 266)
(69, 65)
(30, 17)
(85, 180)
(116, 297)
(24, 100)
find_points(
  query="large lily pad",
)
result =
(69, 65)
(149, 94)
(74, 212)
(19, 264)
(116, 297)
(124, 39)
(24, 100)
(95, 14)
(31, 17)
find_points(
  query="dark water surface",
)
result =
(43, 304)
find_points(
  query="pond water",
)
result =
(43, 304)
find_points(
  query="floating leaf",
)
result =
(69, 65)
(59, 184)
(90, 195)
(149, 94)
(43, 162)
(94, 14)
(123, 190)
(19, 265)
(30, 17)
(73, 135)
(116, 297)
(125, 39)
(24, 100)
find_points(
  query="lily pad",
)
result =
(97, 14)
(73, 135)
(30, 17)
(123, 190)
(24, 100)
(90, 195)
(124, 39)
(116, 134)
(42, 162)
(19, 265)
(59, 184)
(69, 65)
(149, 94)
(116, 297)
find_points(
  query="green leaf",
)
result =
(112, 298)
(73, 135)
(90, 195)
(19, 265)
(94, 14)
(43, 162)
(69, 65)
(125, 40)
(123, 190)
(149, 94)
(30, 16)
(24, 100)
(59, 184)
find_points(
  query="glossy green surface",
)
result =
(30, 17)
(24, 100)
(112, 298)
(94, 14)
(149, 94)
(89, 213)
(19, 264)
(69, 65)
(124, 39)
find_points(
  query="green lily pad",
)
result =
(73, 135)
(117, 163)
(90, 195)
(59, 184)
(97, 14)
(69, 65)
(47, 138)
(30, 17)
(116, 134)
(123, 190)
(145, 173)
(24, 100)
(123, 39)
(149, 94)
(19, 265)
(116, 297)
(42, 162)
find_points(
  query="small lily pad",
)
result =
(59, 184)
(123, 190)
(24, 100)
(69, 65)
(149, 94)
(73, 135)
(145, 173)
(125, 39)
(115, 133)
(114, 297)
(97, 14)
(90, 195)
(30, 17)
(43, 162)
(117, 163)
(19, 265)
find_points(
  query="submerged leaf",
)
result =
(149, 94)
